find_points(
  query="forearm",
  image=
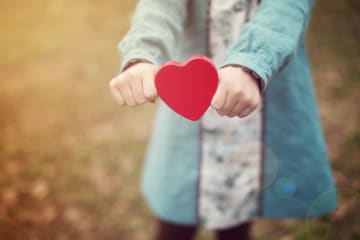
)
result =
(270, 39)
(155, 28)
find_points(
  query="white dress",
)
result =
(231, 147)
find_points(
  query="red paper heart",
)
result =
(187, 88)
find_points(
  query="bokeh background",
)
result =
(70, 158)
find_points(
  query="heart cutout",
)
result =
(188, 88)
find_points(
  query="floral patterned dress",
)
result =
(231, 147)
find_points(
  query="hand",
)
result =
(135, 86)
(237, 94)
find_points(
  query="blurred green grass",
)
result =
(70, 158)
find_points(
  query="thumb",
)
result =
(149, 88)
(219, 99)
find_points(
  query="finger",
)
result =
(117, 95)
(246, 112)
(137, 90)
(220, 113)
(115, 92)
(238, 108)
(149, 89)
(219, 98)
(127, 95)
(229, 104)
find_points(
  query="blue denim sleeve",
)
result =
(269, 41)
(155, 27)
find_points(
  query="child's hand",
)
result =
(237, 94)
(135, 86)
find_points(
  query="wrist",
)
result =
(251, 73)
(135, 61)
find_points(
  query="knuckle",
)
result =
(254, 104)
(112, 83)
(127, 77)
(247, 100)
(117, 82)
(149, 95)
(120, 84)
(217, 101)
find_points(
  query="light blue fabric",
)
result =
(297, 180)
(172, 166)
(293, 137)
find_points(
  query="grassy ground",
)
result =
(70, 158)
